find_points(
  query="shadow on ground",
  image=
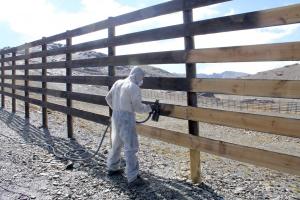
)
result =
(158, 188)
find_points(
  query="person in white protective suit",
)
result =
(125, 99)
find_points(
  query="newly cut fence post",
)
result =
(111, 52)
(2, 82)
(26, 83)
(192, 101)
(13, 82)
(44, 86)
(69, 88)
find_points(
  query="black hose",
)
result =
(70, 155)
(141, 122)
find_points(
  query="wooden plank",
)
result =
(149, 12)
(267, 52)
(111, 52)
(13, 81)
(195, 162)
(26, 84)
(87, 98)
(2, 82)
(264, 158)
(69, 89)
(162, 9)
(159, 83)
(167, 57)
(269, 124)
(263, 88)
(63, 50)
(245, 87)
(44, 86)
(63, 109)
(50, 65)
(95, 80)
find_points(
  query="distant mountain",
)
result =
(226, 74)
(289, 72)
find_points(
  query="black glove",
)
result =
(152, 106)
(155, 106)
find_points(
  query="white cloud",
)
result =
(230, 12)
(205, 12)
(37, 18)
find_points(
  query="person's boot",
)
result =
(115, 172)
(139, 181)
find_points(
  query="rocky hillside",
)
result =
(289, 72)
(226, 74)
(120, 70)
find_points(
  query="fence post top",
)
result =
(110, 21)
(68, 34)
(43, 40)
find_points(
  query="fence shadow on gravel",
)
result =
(159, 187)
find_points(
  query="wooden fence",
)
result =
(190, 56)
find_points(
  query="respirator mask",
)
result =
(140, 83)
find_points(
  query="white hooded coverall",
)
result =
(125, 99)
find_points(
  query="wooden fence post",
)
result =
(2, 81)
(69, 87)
(111, 52)
(13, 82)
(192, 100)
(44, 85)
(26, 82)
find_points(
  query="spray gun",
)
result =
(154, 113)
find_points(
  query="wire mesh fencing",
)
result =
(228, 102)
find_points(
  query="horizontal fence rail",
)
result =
(289, 51)
(63, 109)
(245, 87)
(272, 160)
(267, 52)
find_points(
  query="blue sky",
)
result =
(38, 18)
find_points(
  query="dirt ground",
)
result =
(30, 171)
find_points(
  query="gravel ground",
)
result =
(32, 172)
